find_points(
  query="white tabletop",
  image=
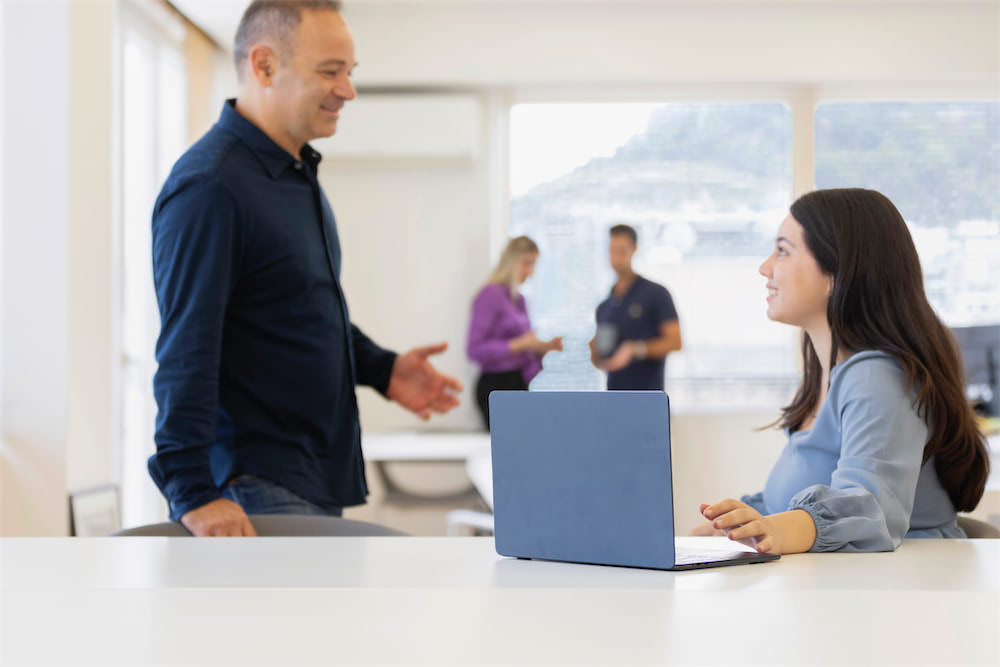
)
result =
(436, 601)
(423, 445)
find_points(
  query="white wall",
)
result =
(416, 246)
(597, 45)
(35, 267)
(56, 259)
(3, 474)
(93, 246)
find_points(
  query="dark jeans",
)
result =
(492, 381)
(257, 495)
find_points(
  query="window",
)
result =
(154, 134)
(706, 186)
(939, 162)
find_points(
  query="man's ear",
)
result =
(263, 63)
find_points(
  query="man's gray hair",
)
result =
(274, 19)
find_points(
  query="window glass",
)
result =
(939, 162)
(705, 186)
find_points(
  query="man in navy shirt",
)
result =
(258, 358)
(637, 325)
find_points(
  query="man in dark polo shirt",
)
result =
(637, 325)
(258, 358)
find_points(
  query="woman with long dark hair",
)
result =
(882, 442)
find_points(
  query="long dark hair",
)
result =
(878, 303)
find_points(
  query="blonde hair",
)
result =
(505, 272)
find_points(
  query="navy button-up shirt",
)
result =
(257, 355)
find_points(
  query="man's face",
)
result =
(620, 251)
(314, 80)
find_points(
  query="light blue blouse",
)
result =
(857, 471)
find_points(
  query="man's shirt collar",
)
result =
(274, 158)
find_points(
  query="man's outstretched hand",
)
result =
(419, 387)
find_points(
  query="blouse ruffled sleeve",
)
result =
(867, 505)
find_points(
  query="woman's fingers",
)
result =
(766, 545)
(737, 517)
(721, 507)
(747, 530)
(741, 522)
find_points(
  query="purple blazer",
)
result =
(496, 319)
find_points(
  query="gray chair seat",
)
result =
(277, 525)
(976, 528)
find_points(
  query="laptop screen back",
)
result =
(583, 476)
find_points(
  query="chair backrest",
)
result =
(165, 529)
(277, 525)
(977, 528)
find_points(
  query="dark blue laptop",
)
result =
(585, 477)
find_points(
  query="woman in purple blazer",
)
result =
(500, 337)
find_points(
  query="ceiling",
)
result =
(218, 18)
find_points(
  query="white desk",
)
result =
(443, 601)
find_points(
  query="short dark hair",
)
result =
(277, 19)
(626, 230)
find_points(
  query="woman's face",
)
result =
(797, 289)
(526, 266)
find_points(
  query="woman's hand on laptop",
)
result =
(734, 518)
(783, 533)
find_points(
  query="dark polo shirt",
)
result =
(637, 316)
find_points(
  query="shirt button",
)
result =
(298, 166)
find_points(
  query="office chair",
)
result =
(975, 528)
(277, 525)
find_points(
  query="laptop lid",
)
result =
(586, 477)
(583, 476)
